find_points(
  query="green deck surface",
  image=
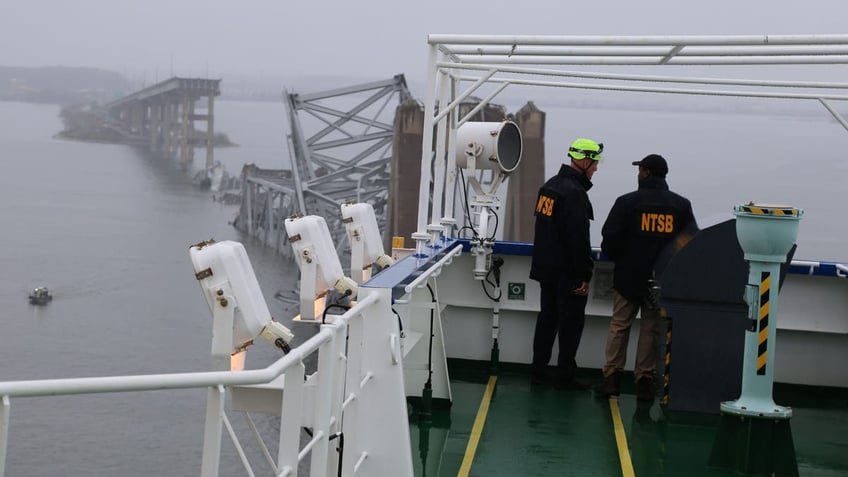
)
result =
(540, 431)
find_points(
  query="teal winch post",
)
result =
(754, 436)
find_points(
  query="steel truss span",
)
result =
(340, 146)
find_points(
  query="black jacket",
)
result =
(561, 247)
(639, 225)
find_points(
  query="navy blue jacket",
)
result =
(638, 227)
(561, 246)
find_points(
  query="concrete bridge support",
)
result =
(522, 185)
(163, 116)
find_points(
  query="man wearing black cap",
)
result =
(638, 227)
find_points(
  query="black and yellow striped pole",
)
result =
(766, 234)
(667, 370)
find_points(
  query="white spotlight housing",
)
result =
(320, 269)
(366, 244)
(231, 290)
(489, 145)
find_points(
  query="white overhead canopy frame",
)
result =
(561, 61)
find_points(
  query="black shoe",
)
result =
(642, 416)
(645, 389)
(573, 384)
(539, 378)
(610, 387)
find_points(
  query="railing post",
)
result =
(337, 391)
(222, 344)
(4, 433)
(353, 385)
(377, 440)
(292, 412)
(213, 431)
(323, 405)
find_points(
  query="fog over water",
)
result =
(722, 160)
(108, 227)
(365, 39)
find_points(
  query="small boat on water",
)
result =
(40, 296)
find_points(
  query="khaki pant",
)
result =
(623, 313)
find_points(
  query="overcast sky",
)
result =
(366, 38)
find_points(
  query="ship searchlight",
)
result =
(485, 146)
(489, 145)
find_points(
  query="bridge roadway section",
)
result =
(164, 115)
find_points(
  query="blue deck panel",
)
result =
(407, 269)
(503, 247)
(824, 269)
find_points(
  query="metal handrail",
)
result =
(152, 382)
(156, 382)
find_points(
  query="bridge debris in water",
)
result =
(347, 144)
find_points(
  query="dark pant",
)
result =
(564, 313)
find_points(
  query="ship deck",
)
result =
(502, 425)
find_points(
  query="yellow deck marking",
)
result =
(477, 429)
(621, 440)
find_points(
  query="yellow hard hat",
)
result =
(583, 148)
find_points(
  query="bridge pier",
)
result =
(210, 131)
(163, 117)
(186, 131)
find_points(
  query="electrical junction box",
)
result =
(515, 291)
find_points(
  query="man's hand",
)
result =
(583, 289)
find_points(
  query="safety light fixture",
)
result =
(320, 269)
(232, 292)
(366, 244)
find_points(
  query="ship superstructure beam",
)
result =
(486, 65)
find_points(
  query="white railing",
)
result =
(215, 381)
(494, 62)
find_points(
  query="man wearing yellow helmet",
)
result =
(562, 263)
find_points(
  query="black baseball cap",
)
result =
(654, 163)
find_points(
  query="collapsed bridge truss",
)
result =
(340, 146)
